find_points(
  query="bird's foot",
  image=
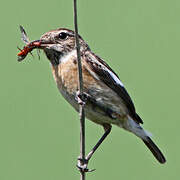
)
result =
(81, 98)
(82, 165)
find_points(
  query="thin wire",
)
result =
(80, 87)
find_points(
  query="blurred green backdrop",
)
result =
(39, 131)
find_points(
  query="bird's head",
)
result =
(60, 42)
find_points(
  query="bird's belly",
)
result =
(93, 113)
(67, 84)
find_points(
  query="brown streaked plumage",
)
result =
(107, 101)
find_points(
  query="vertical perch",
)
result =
(80, 87)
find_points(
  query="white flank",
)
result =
(66, 57)
(116, 79)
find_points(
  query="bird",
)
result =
(107, 101)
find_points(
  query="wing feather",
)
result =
(111, 79)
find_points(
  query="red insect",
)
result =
(29, 47)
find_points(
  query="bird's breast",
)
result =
(66, 77)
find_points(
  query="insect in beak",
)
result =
(29, 45)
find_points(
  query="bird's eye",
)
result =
(63, 35)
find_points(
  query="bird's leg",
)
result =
(83, 165)
(107, 129)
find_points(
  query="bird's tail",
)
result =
(154, 149)
(135, 128)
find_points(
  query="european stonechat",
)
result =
(107, 101)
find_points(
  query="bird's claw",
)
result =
(82, 165)
(81, 98)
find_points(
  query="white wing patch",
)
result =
(116, 79)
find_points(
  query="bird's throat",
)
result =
(53, 56)
(56, 57)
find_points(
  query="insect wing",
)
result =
(24, 37)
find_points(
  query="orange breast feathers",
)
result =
(66, 76)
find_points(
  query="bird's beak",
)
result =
(40, 44)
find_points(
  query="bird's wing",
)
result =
(111, 79)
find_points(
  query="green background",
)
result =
(39, 131)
